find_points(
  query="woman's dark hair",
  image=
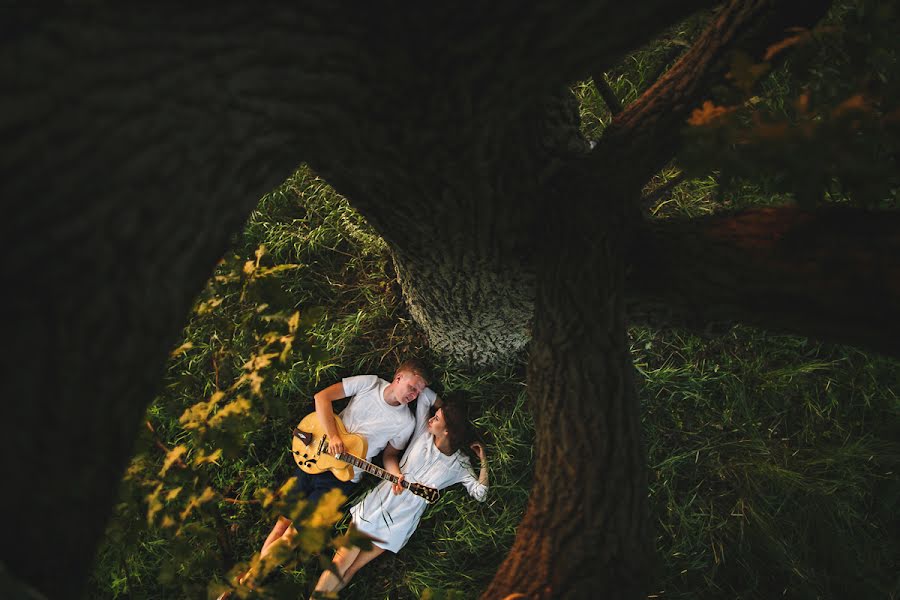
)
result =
(456, 416)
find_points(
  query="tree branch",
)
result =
(647, 134)
(609, 96)
(674, 52)
(832, 274)
(607, 93)
(653, 197)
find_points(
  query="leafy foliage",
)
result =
(824, 126)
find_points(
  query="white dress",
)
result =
(392, 518)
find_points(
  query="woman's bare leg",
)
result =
(330, 581)
(361, 560)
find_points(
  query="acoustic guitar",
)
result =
(309, 445)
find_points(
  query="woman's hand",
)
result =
(478, 448)
(397, 488)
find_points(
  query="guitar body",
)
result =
(309, 446)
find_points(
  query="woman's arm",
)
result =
(477, 488)
(478, 447)
(427, 399)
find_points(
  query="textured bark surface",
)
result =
(461, 222)
(829, 274)
(584, 534)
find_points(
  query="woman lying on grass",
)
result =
(434, 458)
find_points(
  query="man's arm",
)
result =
(325, 413)
(391, 461)
(427, 401)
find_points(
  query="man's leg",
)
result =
(282, 525)
(306, 484)
(280, 528)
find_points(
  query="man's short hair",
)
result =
(414, 366)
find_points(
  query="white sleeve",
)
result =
(358, 384)
(467, 477)
(423, 405)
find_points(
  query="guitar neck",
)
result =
(370, 468)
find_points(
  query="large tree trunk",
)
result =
(584, 534)
(461, 216)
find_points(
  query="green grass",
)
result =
(770, 460)
(773, 460)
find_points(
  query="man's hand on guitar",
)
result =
(335, 445)
(397, 488)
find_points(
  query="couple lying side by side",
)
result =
(378, 411)
(388, 514)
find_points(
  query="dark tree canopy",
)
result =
(138, 139)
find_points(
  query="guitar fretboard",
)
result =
(370, 468)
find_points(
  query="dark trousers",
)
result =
(313, 486)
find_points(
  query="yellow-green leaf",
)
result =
(208, 306)
(238, 408)
(154, 504)
(195, 417)
(202, 458)
(181, 349)
(172, 457)
(259, 361)
(294, 322)
(328, 511)
(197, 501)
(266, 271)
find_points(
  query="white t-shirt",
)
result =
(369, 415)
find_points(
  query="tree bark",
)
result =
(584, 533)
(460, 221)
(831, 274)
